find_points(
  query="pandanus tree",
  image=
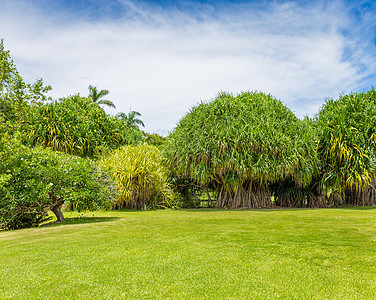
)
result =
(346, 146)
(239, 145)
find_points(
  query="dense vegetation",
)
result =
(36, 179)
(41, 144)
(77, 125)
(238, 145)
(141, 177)
(246, 150)
(346, 146)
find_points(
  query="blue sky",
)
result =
(162, 57)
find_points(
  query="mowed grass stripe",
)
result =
(195, 254)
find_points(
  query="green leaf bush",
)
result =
(34, 180)
(141, 178)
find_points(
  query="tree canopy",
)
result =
(16, 95)
(241, 143)
(347, 142)
(77, 125)
(244, 148)
(33, 180)
(132, 118)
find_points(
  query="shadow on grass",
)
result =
(81, 220)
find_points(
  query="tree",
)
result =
(96, 96)
(77, 126)
(16, 96)
(154, 139)
(239, 145)
(34, 180)
(131, 118)
(346, 146)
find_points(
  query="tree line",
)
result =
(245, 150)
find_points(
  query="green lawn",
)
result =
(195, 254)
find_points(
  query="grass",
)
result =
(195, 254)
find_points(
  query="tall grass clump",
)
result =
(241, 144)
(140, 177)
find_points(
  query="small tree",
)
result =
(16, 96)
(35, 180)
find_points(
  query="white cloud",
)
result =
(162, 62)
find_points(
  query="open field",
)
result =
(195, 254)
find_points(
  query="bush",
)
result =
(140, 177)
(35, 180)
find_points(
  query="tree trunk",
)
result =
(210, 203)
(364, 197)
(56, 207)
(318, 201)
(247, 196)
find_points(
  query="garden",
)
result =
(241, 200)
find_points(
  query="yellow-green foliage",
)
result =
(140, 176)
(347, 141)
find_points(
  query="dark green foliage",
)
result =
(288, 194)
(186, 188)
(77, 125)
(35, 180)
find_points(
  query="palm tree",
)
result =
(131, 118)
(95, 96)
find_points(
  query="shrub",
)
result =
(35, 180)
(141, 177)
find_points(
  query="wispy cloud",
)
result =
(162, 61)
